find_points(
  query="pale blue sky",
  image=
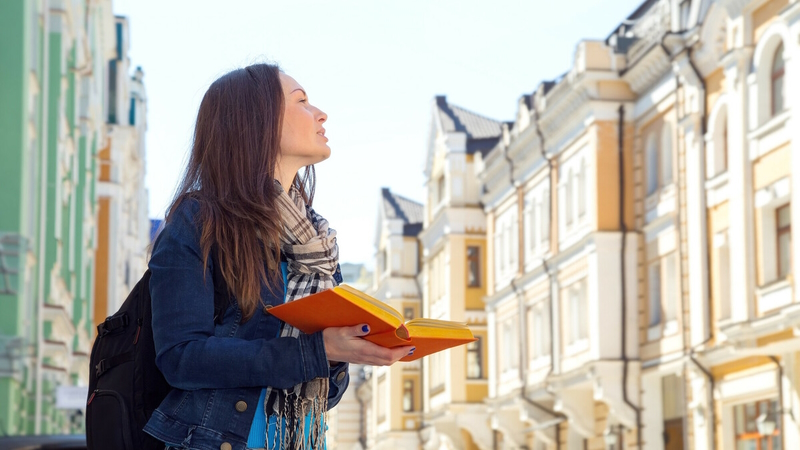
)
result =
(372, 66)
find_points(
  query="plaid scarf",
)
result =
(309, 245)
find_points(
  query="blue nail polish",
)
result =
(365, 329)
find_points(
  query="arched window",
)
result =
(777, 81)
(666, 155)
(651, 164)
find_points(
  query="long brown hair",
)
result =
(231, 173)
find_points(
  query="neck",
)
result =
(285, 176)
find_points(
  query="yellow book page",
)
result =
(434, 323)
(438, 329)
(375, 306)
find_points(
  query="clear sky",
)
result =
(373, 66)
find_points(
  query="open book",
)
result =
(344, 306)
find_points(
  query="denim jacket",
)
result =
(218, 370)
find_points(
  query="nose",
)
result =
(321, 116)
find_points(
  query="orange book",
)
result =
(344, 306)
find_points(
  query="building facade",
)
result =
(634, 231)
(563, 359)
(453, 276)
(54, 98)
(680, 270)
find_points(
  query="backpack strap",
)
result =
(222, 295)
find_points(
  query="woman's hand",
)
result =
(344, 344)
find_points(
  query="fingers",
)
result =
(360, 330)
(345, 344)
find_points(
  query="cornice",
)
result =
(649, 69)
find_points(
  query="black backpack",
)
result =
(125, 386)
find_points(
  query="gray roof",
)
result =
(456, 118)
(409, 211)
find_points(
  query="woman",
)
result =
(247, 380)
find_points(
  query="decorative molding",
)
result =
(647, 71)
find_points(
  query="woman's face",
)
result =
(303, 140)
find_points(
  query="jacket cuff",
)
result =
(314, 359)
(336, 370)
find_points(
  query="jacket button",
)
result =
(340, 377)
(225, 446)
(241, 406)
(267, 308)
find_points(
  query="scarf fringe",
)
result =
(310, 246)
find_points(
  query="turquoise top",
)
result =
(259, 430)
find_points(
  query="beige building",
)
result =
(394, 392)
(453, 276)
(624, 247)
(563, 359)
(703, 297)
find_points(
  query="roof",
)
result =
(399, 207)
(482, 132)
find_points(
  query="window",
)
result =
(408, 312)
(724, 147)
(510, 343)
(539, 320)
(685, 9)
(722, 287)
(545, 216)
(673, 408)
(382, 395)
(440, 188)
(473, 266)
(568, 199)
(578, 314)
(666, 155)
(777, 81)
(437, 372)
(746, 429)
(506, 241)
(663, 294)
(654, 296)
(784, 237)
(531, 206)
(651, 164)
(582, 189)
(474, 360)
(408, 395)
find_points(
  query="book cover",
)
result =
(344, 306)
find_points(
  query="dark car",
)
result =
(63, 442)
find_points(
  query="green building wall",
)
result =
(64, 265)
